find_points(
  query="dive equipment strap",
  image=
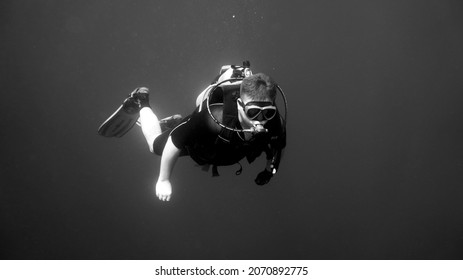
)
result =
(229, 114)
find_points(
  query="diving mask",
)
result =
(259, 111)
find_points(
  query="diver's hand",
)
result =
(163, 190)
(263, 177)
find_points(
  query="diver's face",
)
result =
(256, 113)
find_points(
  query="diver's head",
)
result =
(258, 87)
(256, 105)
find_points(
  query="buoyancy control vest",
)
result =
(226, 90)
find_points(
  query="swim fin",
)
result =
(122, 120)
(118, 124)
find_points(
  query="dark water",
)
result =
(374, 163)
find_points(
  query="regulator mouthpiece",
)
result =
(259, 129)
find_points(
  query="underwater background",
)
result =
(373, 168)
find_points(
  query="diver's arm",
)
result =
(273, 162)
(169, 157)
(271, 167)
(274, 153)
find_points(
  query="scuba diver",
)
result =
(236, 117)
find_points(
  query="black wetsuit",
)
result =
(197, 136)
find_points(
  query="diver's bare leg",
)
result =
(149, 125)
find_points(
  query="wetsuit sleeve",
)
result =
(274, 154)
(277, 143)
